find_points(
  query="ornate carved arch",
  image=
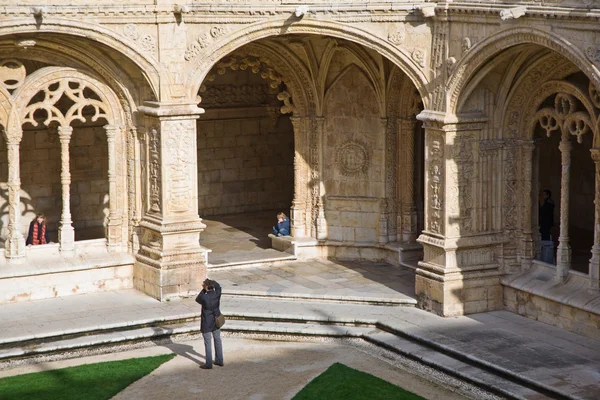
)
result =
(71, 83)
(277, 65)
(476, 56)
(563, 113)
(147, 64)
(227, 44)
(5, 106)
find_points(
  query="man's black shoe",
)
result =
(204, 366)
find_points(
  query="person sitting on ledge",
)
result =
(283, 225)
(38, 234)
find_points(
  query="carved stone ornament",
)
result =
(147, 42)
(195, 48)
(465, 44)
(352, 158)
(12, 74)
(397, 34)
(217, 31)
(594, 95)
(593, 53)
(418, 56)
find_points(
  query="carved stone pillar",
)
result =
(15, 243)
(170, 261)
(66, 233)
(319, 189)
(564, 250)
(114, 226)
(459, 273)
(595, 260)
(528, 242)
(299, 212)
(409, 211)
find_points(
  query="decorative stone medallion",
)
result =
(12, 74)
(353, 159)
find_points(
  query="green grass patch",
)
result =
(342, 382)
(98, 381)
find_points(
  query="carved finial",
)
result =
(427, 11)
(38, 12)
(180, 9)
(301, 11)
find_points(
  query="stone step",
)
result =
(59, 343)
(250, 263)
(471, 369)
(379, 301)
(473, 374)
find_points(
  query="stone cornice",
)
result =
(351, 10)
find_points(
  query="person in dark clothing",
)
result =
(38, 234)
(546, 214)
(283, 225)
(210, 299)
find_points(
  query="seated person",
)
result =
(283, 225)
(38, 234)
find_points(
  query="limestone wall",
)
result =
(245, 148)
(353, 159)
(40, 181)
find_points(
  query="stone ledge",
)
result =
(571, 306)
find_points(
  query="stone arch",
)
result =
(148, 65)
(5, 106)
(49, 75)
(296, 78)
(57, 82)
(229, 43)
(483, 51)
(529, 117)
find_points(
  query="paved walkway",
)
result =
(260, 370)
(238, 238)
(322, 279)
(536, 351)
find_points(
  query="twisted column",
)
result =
(564, 250)
(595, 260)
(66, 233)
(15, 243)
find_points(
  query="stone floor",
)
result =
(258, 369)
(322, 279)
(237, 238)
(536, 351)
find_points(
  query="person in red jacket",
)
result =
(38, 232)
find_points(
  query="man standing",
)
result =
(546, 214)
(210, 299)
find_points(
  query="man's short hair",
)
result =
(548, 192)
(209, 284)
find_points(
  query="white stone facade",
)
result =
(385, 124)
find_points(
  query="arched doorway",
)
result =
(337, 134)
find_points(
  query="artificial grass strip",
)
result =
(99, 381)
(342, 382)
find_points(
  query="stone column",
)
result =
(170, 261)
(114, 226)
(321, 223)
(409, 212)
(459, 273)
(15, 243)
(66, 233)
(595, 260)
(301, 173)
(564, 250)
(527, 148)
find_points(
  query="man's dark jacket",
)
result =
(211, 308)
